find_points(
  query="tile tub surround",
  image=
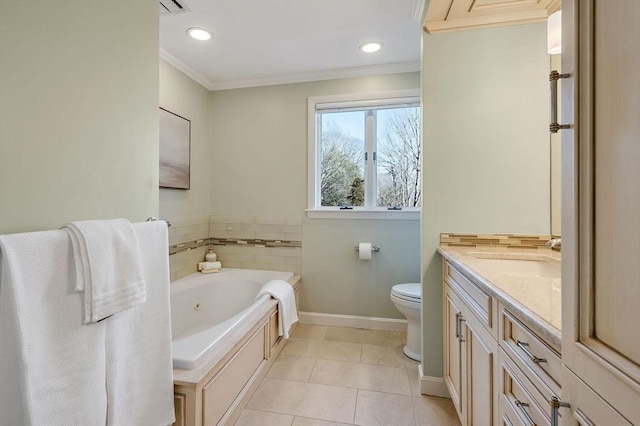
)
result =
(187, 244)
(535, 299)
(339, 375)
(256, 227)
(258, 242)
(247, 242)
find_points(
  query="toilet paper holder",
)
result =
(375, 248)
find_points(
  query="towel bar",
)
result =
(151, 219)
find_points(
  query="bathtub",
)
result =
(207, 307)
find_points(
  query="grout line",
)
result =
(355, 408)
(312, 368)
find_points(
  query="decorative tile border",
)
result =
(254, 242)
(522, 241)
(190, 245)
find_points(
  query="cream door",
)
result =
(452, 349)
(479, 356)
(601, 208)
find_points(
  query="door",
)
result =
(601, 207)
(452, 349)
(479, 356)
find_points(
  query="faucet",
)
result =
(554, 242)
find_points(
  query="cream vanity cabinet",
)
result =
(497, 369)
(530, 371)
(470, 348)
(601, 212)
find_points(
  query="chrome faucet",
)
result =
(555, 242)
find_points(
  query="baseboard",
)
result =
(433, 386)
(371, 323)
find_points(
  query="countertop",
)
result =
(534, 296)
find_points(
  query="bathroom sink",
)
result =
(520, 265)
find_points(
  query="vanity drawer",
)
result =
(520, 402)
(541, 363)
(480, 302)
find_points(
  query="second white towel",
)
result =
(287, 312)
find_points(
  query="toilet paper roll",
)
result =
(364, 251)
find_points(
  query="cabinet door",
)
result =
(452, 349)
(601, 205)
(479, 350)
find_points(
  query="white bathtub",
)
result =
(206, 307)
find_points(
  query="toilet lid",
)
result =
(412, 290)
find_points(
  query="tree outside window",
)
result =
(391, 146)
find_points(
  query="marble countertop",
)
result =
(531, 290)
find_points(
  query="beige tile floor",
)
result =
(328, 376)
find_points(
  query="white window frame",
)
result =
(314, 209)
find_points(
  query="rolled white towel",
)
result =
(204, 266)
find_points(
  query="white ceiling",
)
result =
(262, 42)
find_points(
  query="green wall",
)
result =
(486, 144)
(78, 112)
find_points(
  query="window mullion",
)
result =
(370, 171)
(318, 160)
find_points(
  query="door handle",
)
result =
(554, 76)
(523, 409)
(555, 405)
(525, 348)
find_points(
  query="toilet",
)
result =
(407, 298)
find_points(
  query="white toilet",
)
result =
(408, 298)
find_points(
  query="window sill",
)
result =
(371, 214)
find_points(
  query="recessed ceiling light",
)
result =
(372, 47)
(199, 33)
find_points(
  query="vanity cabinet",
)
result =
(600, 207)
(470, 349)
(497, 369)
(530, 372)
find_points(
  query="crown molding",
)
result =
(332, 74)
(418, 10)
(185, 69)
(302, 77)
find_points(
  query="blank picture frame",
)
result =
(175, 151)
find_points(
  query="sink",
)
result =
(519, 264)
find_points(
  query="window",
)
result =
(365, 155)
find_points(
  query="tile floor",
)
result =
(337, 375)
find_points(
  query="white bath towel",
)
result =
(138, 346)
(287, 312)
(205, 266)
(51, 364)
(107, 261)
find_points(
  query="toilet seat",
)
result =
(411, 292)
